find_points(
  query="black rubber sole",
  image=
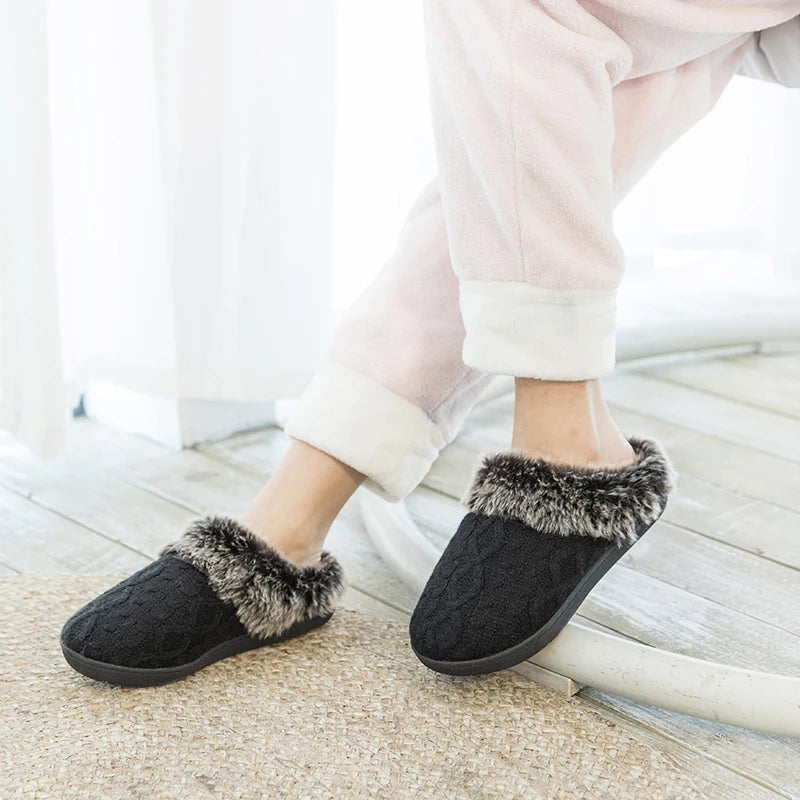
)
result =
(138, 677)
(542, 637)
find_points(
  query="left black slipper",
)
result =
(536, 540)
(216, 592)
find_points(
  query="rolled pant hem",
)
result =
(360, 422)
(514, 328)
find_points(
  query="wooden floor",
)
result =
(718, 576)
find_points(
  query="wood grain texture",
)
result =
(769, 760)
(726, 773)
(763, 431)
(726, 378)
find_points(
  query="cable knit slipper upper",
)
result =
(535, 541)
(215, 592)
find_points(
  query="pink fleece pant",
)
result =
(545, 113)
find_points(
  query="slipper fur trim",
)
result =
(269, 593)
(599, 502)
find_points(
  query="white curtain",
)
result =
(165, 200)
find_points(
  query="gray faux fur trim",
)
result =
(604, 503)
(268, 592)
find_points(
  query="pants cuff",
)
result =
(517, 329)
(368, 427)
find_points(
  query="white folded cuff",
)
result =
(517, 329)
(365, 425)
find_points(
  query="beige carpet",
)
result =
(346, 711)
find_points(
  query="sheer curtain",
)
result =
(165, 201)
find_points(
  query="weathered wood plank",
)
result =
(124, 513)
(255, 451)
(784, 365)
(734, 469)
(750, 766)
(771, 760)
(355, 599)
(83, 488)
(739, 580)
(437, 515)
(726, 378)
(763, 431)
(675, 619)
(36, 540)
(89, 447)
(732, 466)
(196, 482)
(753, 525)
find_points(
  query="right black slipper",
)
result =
(536, 540)
(216, 592)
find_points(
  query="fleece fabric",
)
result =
(545, 114)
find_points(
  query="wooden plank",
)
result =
(194, 481)
(255, 451)
(785, 365)
(763, 431)
(726, 378)
(675, 619)
(93, 442)
(773, 761)
(753, 525)
(89, 447)
(83, 488)
(36, 540)
(750, 767)
(355, 599)
(735, 467)
(123, 513)
(437, 515)
(739, 580)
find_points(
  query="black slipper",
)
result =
(215, 592)
(536, 540)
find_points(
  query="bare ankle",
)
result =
(572, 452)
(300, 545)
(567, 423)
(295, 510)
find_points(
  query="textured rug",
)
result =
(346, 711)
